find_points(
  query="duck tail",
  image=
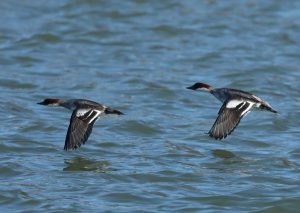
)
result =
(267, 108)
(113, 111)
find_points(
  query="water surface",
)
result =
(138, 56)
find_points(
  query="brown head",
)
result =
(200, 86)
(51, 101)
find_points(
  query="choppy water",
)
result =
(138, 56)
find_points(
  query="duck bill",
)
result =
(193, 87)
(41, 103)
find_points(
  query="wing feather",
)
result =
(229, 118)
(80, 128)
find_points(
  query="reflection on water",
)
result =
(83, 164)
(220, 153)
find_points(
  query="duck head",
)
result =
(51, 101)
(200, 86)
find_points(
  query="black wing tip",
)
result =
(220, 137)
(73, 146)
(68, 148)
(216, 137)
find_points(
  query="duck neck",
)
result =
(220, 94)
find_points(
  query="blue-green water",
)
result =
(138, 56)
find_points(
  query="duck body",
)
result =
(85, 114)
(236, 104)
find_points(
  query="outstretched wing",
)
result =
(229, 117)
(80, 128)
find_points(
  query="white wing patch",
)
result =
(82, 112)
(88, 114)
(233, 103)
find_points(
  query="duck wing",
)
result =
(229, 117)
(80, 127)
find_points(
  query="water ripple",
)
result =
(139, 56)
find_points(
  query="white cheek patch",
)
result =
(204, 89)
(233, 103)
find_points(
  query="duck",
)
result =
(85, 114)
(236, 104)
